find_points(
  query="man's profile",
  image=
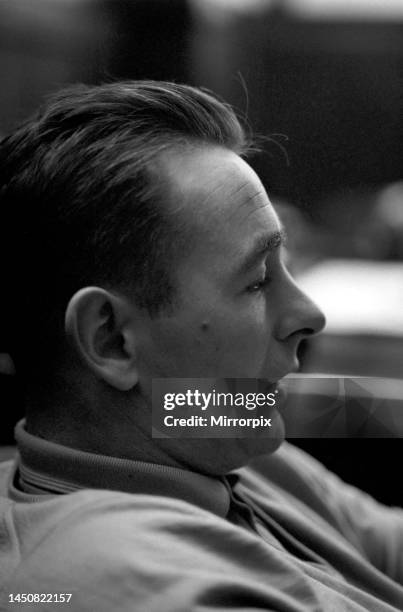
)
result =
(148, 248)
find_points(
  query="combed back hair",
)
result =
(82, 202)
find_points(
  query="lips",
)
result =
(279, 391)
(271, 387)
(276, 383)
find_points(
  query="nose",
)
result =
(301, 316)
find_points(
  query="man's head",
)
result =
(148, 248)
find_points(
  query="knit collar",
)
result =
(46, 467)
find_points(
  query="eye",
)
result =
(259, 285)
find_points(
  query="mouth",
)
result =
(278, 381)
(271, 386)
(279, 389)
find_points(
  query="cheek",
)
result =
(235, 346)
(179, 348)
(222, 341)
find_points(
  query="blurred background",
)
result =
(321, 81)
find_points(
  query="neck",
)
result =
(97, 419)
(101, 421)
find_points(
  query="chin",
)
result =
(219, 456)
(223, 455)
(248, 449)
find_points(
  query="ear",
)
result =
(99, 325)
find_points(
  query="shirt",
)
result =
(283, 534)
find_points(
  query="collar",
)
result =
(46, 467)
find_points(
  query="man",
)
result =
(148, 249)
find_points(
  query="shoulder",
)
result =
(110, 549)
(99, 530)
(74, 521)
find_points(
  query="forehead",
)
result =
(221, 199)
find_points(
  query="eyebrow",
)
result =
(264, 244)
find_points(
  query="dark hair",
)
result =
(81, 202)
